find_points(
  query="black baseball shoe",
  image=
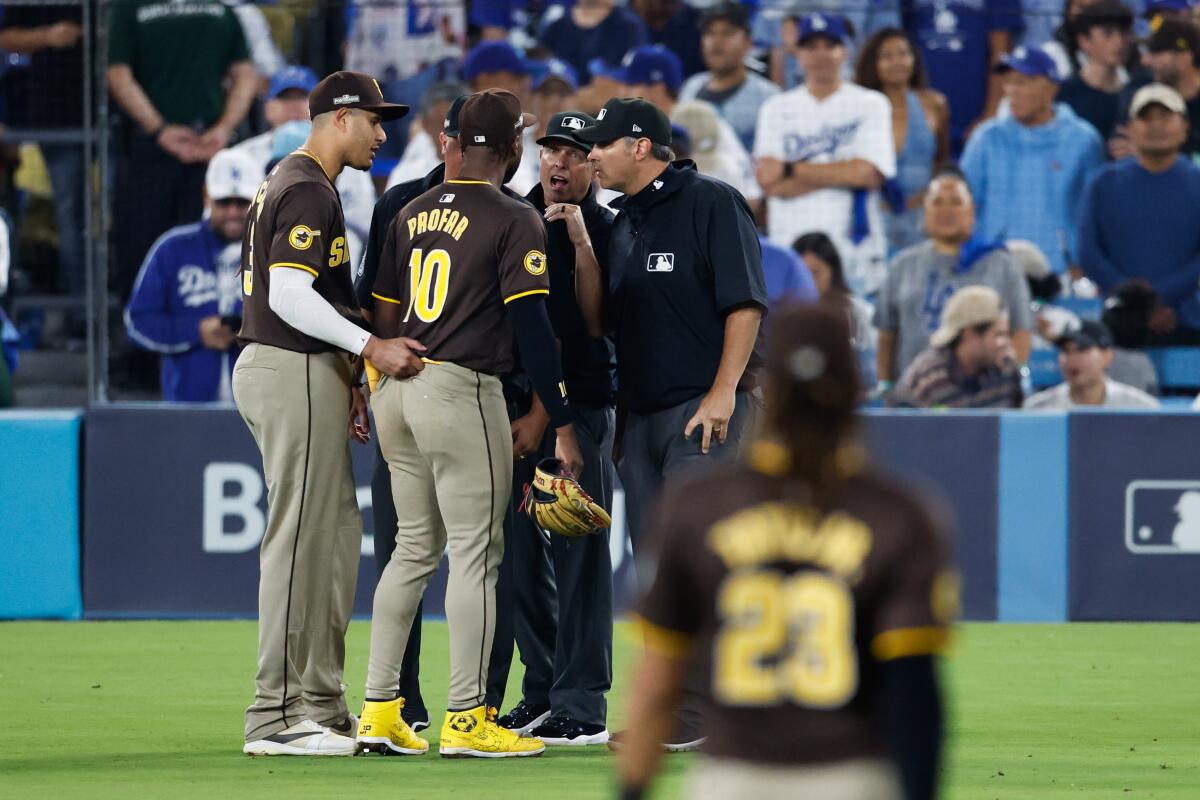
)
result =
(416, 717)
(524, 717)
(570, 733)
(679, 742)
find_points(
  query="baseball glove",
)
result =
(557, 503)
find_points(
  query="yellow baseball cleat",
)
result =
(475, 734)
(382, 730)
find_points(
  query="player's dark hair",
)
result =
(812, 392)
(823, 248)
(866, 71)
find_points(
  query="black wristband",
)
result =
(789, 169)
(158, 131)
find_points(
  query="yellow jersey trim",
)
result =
(518, 296)
(300, 151)
(905, 642)
(386, 299)
(431, 361)
(481, 183)
(294, 265)
(663, 641)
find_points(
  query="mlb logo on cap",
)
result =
(574, 123)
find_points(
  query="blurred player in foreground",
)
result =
(816, 592)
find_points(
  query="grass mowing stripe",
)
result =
(151, 709)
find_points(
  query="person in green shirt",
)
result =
(168, 67)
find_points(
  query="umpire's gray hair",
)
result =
(659, 152)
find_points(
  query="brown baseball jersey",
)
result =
(454, 257)
(295, 223)
(791, 611)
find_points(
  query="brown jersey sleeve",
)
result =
(670, 612)
(387, 286)
(522, 251)
(305, 216)
(920, 595)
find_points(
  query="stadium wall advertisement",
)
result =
(1058, 516)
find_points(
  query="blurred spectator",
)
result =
(787, 276)
(263, 51)
(554, 84)
(655, 73)
(424, 151)
(1084, 356)
(48, 94)
(1062, 46)
(604, 86)
(1139, 218)
(735, 91)
(704, 131)
(676, 26)
(823, 262)
(920, 129)
(286, 111)
(968, 363)
(187, 301)
(776, 25)
(823, 150)
(1027, 171)
(1172, 54)
(960, 41)
(174, 92)
(1042, 20)
(497, 65)
(1127, 316)
(922, 278)
(394, 40)
(1167, 9)
(593, 29)
(1103, 31)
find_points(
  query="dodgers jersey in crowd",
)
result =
(851, 123)
(189, 274)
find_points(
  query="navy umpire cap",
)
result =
(564, 128)
(347, 89)
(629, 116)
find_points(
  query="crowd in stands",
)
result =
(944, 169)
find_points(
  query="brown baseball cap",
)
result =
(492, 116)
(352, 90)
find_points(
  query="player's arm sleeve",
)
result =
(297, 303)
(148, 317)
(304, 219)
(919, 600)
(913, 723)
(539, 354)
(384, 285)
(735, 253)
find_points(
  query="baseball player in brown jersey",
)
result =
(463, 268)
(293, 387)
(814, 594)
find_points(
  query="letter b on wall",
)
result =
(233, 521)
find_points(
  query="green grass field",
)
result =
(154, 710)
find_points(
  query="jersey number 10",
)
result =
(428, 282)
(785, 639)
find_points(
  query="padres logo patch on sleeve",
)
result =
(301, 237)
(535, 262)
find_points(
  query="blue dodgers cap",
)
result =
(553, 69)
(493, 56)
(651, 63)
(830, 26)
(1032, 61)
(292, 77)
(599, 68)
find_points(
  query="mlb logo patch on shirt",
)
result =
(660, 262)
(446, 198)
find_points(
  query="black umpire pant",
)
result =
(560, 614)
(653, 452)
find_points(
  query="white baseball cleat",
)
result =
(305, 738)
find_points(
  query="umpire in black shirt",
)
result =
(383, 510)
(684, 296)
(568, 656)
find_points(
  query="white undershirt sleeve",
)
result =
(297, 303)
